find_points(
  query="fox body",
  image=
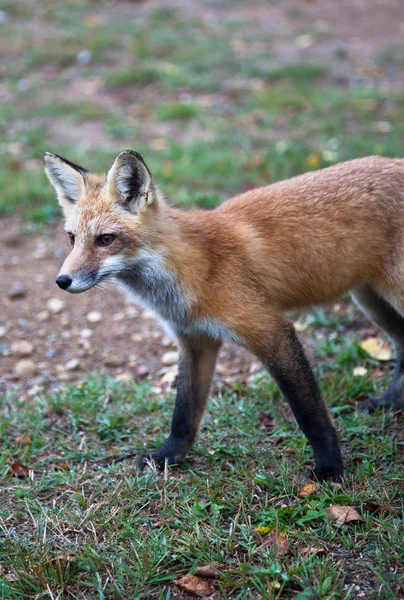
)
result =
(229, 274)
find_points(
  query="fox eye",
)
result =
(106, 239)
(71, 238)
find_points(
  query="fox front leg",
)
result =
(195, 370)
(285, 359)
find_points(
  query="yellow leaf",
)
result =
(264, 530)
(313, 160)
(307, 489)
(377, 348)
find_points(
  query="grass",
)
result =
(213, 109)
(77, 529)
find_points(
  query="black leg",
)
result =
(285, 359)
(196, 367)
(385, 316)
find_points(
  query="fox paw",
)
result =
(172, 452)
(334, 474)
(386, 402)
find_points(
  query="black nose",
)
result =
(64, 281)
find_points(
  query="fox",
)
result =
(232, 272)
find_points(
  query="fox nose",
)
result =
(63, 281)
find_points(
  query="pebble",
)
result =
(73, 364)
(22, 348)
(114, 362)
(25, 368)
(94, 316)
(2, 332)
(124, 377)
(43, 315)
(55, 305)
(86, 333)
(169, 358)
(136, 337)
(16, 290)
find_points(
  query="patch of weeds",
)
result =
(177, 111)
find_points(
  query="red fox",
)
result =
(230, 273)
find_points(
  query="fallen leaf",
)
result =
(207, 571)
(310, 550)
(307, 489)
(266, 420)
(63, 465)
(377, 348)
(382, 509)
(343, 514)
(23, 440)
(17, 469)
(194, 585)
(277, 543)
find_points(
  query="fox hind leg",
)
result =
(284, 357)
(385, 316)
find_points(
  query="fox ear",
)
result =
(68, 179)
(129, 181)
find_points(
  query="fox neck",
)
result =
(168, 275)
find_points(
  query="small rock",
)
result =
(2, 332)
(170, 358)
(73, 364)
(114, 362)
(131, 311)
(94, 316)
(83, 57)
(124, 377)
(16, 290)
(65, 376)
(136, 337)
(142, 371)
(55, 305)
(35, 390)
(43, 315)
(86, 333)
(149, 315)
(25, 368)
(22, 348)
(64, 321)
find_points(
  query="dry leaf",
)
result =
(194, 585)
(266, 420)
(63, 465)
(207, 571)
(377, 348)
(344, 514)
(277, 543)
(307, 489)
(23, 440)
(310, 550)
(17, 469)
(382, 509)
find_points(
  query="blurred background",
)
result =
(217, 95)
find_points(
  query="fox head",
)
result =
(109, 220)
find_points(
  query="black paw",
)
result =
(334, 474)
(172, 452)
(386, 402)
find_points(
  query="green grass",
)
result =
(111, 532)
